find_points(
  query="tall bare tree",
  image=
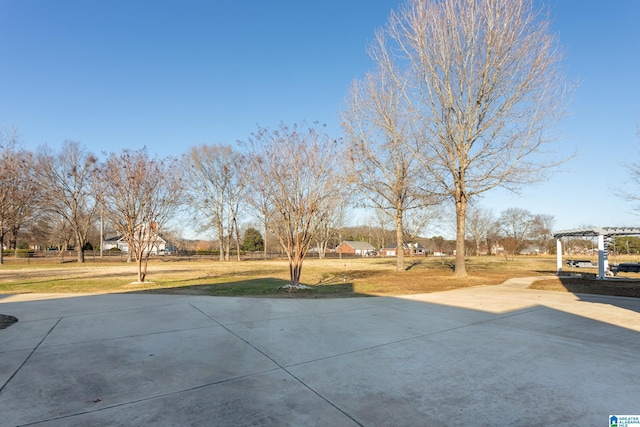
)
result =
(377, 127)
(18, 191)
(485, 89)
(479, 222)
(294, 171)
(140, 195)
(68, 181)
(215, 191)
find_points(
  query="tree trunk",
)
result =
(264, 241)
(80, 249)
(145, 263)
(296, 270)
(221, 238)
(1, 248)
(295, 263)
(461, 210)
(400, 242)
(139, 265)
(237, 238)
(322, 247)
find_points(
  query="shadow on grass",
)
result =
(265, 287)
(588, 288)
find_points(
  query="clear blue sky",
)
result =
(116, 74)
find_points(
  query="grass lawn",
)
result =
(350, 277)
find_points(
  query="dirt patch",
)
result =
(6, 321)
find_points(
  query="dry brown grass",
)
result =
(329, 277)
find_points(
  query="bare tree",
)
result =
(417, 221)
(67, 179)
(294, 171)
(18, 192)
(542, 231)
(140, 195)
(479, 222)
(377, 127)
(516, 225)
(485, 89)
(382, 231)
(215, 191)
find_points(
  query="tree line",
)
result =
(462, 98)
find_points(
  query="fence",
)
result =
(53, 256)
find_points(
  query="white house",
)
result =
(159, 246)
(409, 249)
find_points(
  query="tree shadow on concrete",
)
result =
(264, 287)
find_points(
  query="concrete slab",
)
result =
(266, 399)
(318, 336)
(135, 321)
(10, 362)
(484, 374)
(25, 334)
(479, 356)
(237, 310)
(63, 380)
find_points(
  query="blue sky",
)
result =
(172, 74)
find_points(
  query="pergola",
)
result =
(602, 233)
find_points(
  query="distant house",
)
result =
(497, 249)
(159, 246)
(355, 248)
(532, 250)
(409, 249)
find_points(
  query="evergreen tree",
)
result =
(252, 240)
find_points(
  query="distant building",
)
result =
(159, 246)
(409, 249)
(356, 248)
(533, 250)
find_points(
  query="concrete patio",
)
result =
(489, 355)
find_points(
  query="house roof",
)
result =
(359, 245)
(405, 245)
(120, 238)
